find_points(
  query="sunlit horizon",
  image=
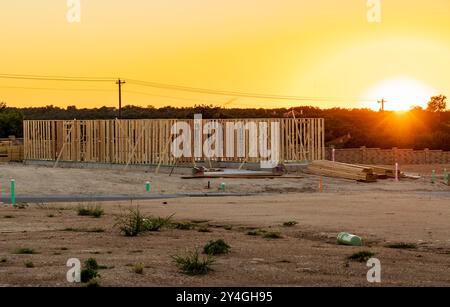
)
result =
(324, 52)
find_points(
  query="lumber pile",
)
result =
(381, 172)
(343, 170)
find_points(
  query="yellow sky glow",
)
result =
(323, 49)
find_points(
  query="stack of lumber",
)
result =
(381, 172)
(342, 170)
(9, 151)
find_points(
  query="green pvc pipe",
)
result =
(346, 238)
(13, 192)
(147, 186)
(433, 176)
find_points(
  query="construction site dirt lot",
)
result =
(306, 254)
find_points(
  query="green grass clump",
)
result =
(204, 229)
(133, 223)
(183, 225)
(156, 223)
(25, 251)
(401, 245)
(8, 216)
(290, 224)
(272, 235)
(254, 233)
(21, 205)
(95, 211)
(192, 264)
(216, 247)
(362, 256)
(91, 263)
(4, 260)
(29, 264)
(138, 268)
(199, 221)
(89, 271)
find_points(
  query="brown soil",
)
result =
(385, 212)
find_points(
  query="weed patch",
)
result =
(95, 211)
(192, 264)
(401, 245)
(362, 256)
(133, 223)
(272, 235)
(216, 247)
(138, 268)
(25, 251)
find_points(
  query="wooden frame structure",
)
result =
(148, 141)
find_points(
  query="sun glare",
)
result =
(400, 94)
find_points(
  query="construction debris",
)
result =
(410, 176)
(202, 172)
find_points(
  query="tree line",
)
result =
(346, 128)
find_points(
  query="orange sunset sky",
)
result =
(325, 50)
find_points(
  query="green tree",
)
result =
(11, 122)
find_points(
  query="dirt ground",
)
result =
(307, 254)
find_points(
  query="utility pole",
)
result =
(120, 83)
(382, 102)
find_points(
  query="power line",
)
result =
(55, 78)
(57, 89)
(224, 93)
(178, 88)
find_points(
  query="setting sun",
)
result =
(400, 94)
